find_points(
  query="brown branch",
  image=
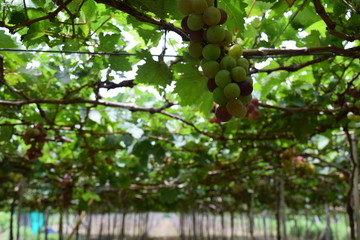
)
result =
(331, 25)
(302, 109)
(49, 16)
(264, 52)
(130, 107)
(294, 67)
(120, 5)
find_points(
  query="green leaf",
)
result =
(90, 10)
(153, 72)
(90, 195)
(272, 80)
(6, 41)
(168, 196)
(17, 17)
(109, 42)
(120, 63)
(6, 133)
(63, 76)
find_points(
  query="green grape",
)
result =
(236, 108)
(245, 99)
(236, 51)
(222, 114)
(228, 38)
(351, 116)
(199, 6)
(227, 63)
(210, 68)
(249, 79)
(195, 49)
(219, 96)
(195, 22)
(243, 62)
(222, 78)
(211, 52)
(185, 6)
(215, 34)
(232, 90)
(210, 3)
(238, 74)
(211, 16)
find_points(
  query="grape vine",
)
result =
(220, 58)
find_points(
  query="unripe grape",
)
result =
(210, 68)
(210, 3)
(236, 51)
(231, 91)
(222, 78)
(228, 38)
(211, 85)
(199, 6)
(223, 16)
(195, 22)
(211, 52)
(236, 108)
(243, 62)
(227, 63)
(185, 6)
(215, 34)
(212, 16)
(249, 79)
(351, 116)
(219, 96)
(195, 49)
(238, 74)
(222, 114)
(245, 99)
(246, 88)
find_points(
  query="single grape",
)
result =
(250, 107)
(222, 78)
(196, 36)
(236, 51)
(211, 52)
(351, 116)
(223, 16)
(254, 114)
(211, 85)
(228, 38)
(219, 96)
(212, 16)
(210, 3)
(195, 22)
(238, 74)
(185, 6)
(232, 90)
(222, 114)
(236, 108)
(246, 88)
(210, 68)
(199, 6)
(243, 62)
(215, 34)
(249, 79)
(255, 101)
(195, 49)
(227, 63)
(245, 99)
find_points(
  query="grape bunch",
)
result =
(221, 61)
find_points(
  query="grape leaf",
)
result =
(6, 41)
(153, 72)
(272, 80)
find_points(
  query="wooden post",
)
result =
(353, 144)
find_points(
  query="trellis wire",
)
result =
(154, 55)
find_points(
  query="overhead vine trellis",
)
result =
(164, 149)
